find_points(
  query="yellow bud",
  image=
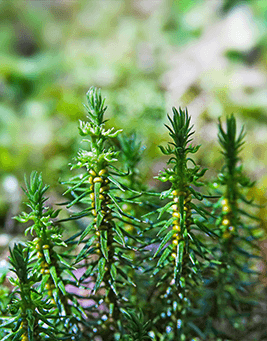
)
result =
(38, 247)
(98, 179)
(50, 293)
(175, 242)
(173, 255)
(102, 172)
(177, 228)
(92, 196)
(45, 247)
(39, 255)
(176, 214)
(92, 172)
(175, 192)
(97, 233)
(94, 212)
(101, 197)
(224, 201)
(226, 209)
(91, 180)
(225, 222)
(174, 207)
(176, 199)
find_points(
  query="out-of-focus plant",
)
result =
(231, 290)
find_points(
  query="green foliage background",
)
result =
(146, 56)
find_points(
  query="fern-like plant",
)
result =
(181, 254)
(100, 195)
(135, 264)
(233, 283)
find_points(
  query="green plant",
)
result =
(131, 267)
(180, 263)
(232, 289)
(32, 311)
(99, 190)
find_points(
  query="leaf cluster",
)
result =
(174, 260)
(180, 131)
(230, 141)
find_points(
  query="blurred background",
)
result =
(147, 56)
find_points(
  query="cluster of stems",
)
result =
(130, 252)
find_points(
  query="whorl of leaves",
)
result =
(230, 141)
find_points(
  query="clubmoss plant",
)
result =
(33, 314)
(138, 328)
(50, 267)
(100, 194)
(131, 154)
(233, 283)
(46, 235)
(137, 265)
(181, 250)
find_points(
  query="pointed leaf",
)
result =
(168, 223)
(84, 250)
(62, 287)
(53, 273)
(115, 182)
(164, 255)
(103, 243)
(101, 273)
(97, 186)
(164, 242)
(99, 219)
(116, 203)
(63, 261)
(47, 255)
(179, 261)
(86, 231)
(113, 272)
(164, 209)
(120, 235)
